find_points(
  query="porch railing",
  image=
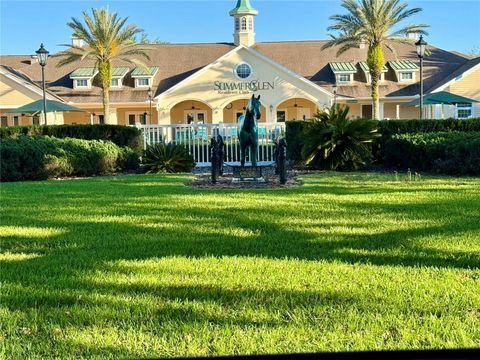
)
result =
(196, 137)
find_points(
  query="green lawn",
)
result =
(138, 266)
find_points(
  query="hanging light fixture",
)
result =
(295, 103)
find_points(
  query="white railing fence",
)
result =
(196, 137)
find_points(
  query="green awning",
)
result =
(366, 68)
(119, 71)
(52, 106)
(343, 67)
(84, 72)
(442, 97)
(140, 71)
(400, 65)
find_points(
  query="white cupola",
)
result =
(243, 15)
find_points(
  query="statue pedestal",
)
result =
(247, 174)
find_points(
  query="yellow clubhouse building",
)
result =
(211, 82)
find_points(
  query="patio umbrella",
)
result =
(52, 106)
(441, 97)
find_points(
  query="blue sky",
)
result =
(455, 24)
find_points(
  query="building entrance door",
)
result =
(195, 117)
(367, 111)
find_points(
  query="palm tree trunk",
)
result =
(105, 77)
(375, 61)
(106, 105)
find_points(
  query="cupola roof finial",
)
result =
(243, 8)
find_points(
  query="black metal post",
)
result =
(44, 95)
(421, 87)
(150, 114)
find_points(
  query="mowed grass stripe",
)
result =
(138, 266)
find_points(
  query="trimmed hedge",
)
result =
(388, 128)
(38, 158)
(118, 134)
(454, 153)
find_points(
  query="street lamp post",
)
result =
(42, 59)
(335, 94)
(150, 98)
(420, 45)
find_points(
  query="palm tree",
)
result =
(374, 23)
(106, 38)
(333, 142)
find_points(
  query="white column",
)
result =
(397, 113)
(381, 112)
(270, 116)
(217, 115)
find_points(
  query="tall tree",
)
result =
(106, 37)
(375, 23)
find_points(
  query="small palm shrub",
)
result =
(333, 142)
(169, 158)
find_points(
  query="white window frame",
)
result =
(369, 77)
(285, 111)
(236, 69)
(466, 106)
(119, 85)
(195, 113)
(87, 86)
(137, 82)
(138, 115)
(339, 81)
(401, 73)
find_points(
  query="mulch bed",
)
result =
(225, 182)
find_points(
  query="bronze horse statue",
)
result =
(249, 130)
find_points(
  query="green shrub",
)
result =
(333, 142)
(118, 134)
(388, 128)
(36, 158)
(128, 159)
(168, 158)
(455, 153)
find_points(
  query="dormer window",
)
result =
(343, 71)
(117, 76)
(366, 69)
(405, 70)
(82, 77)
(144, 76)
(80, 83)
(143, 82)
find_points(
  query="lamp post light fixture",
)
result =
(42, 54)
(335, 88)
(421, 45)
(150, 98)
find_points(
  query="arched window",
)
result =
(237, 24)
(244, 23)
(250, 23)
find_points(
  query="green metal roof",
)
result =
(119, 71)
(366, 68)
(52, 106)
(442, 97)
(243, 7)
(399, 65)
(339, 67)
(84, 72)
(140, 71)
